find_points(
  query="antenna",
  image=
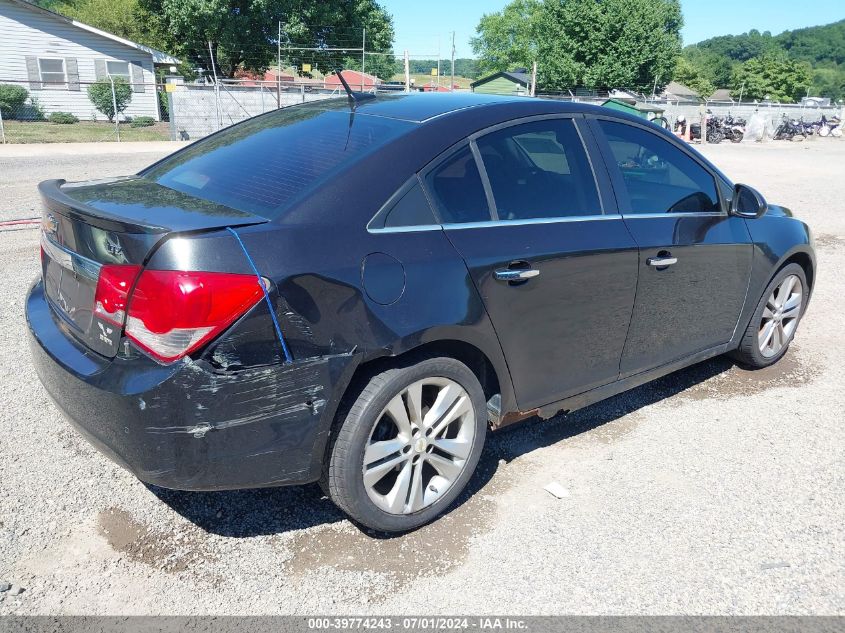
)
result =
(354, 97)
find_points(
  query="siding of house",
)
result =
(498, 86)
(26, 35)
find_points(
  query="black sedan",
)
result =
(351, 291)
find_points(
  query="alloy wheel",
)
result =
(780, 316)
(419, 445)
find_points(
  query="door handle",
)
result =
(516, 274)
(659, 262)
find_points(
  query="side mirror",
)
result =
(747, 202)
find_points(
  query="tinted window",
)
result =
(539, 170)
(659, 177)
(457, 189)
(411, 210)
(265, 163)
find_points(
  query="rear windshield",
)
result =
(262, 165)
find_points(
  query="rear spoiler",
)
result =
(57, 200)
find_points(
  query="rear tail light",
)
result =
(112, 292)
(172, 313)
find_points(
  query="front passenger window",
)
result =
(659, 177)
(539, 170)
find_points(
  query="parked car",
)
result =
(352, 292)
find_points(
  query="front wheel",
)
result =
(775, 320)
(409, 445)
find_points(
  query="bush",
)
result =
(142, 121)
(100, 94)
(65, 118)
(12, 99)
(163, 106)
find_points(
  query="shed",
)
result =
(515, 82)
(644, 110)
(56, 58)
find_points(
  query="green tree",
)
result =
(829, 81)
(508, 39)
(244, 33)
(379, 31)
(100, 94)
(606, 44)
(772, 75)
(690, 75)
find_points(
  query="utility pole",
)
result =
(114, 106)
(438, 63)
(452, 83)
(216, 85)
(407, 73)
(534, 79)
(211, 57)
(363, 53)
(279, 68)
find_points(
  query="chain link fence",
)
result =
(694, 111)
(189, 111)
(196, 110)
(81, 112)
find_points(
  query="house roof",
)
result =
(352, 76)
(722, 94)
(674, 89)
(158, 56)
(519, 76)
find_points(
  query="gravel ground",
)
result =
(714, 490)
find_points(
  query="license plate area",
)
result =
(70, 283)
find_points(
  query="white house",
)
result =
(57, 58)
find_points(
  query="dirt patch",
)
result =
(826, 240)
(172, 551)
(789, 371)
(428, 551)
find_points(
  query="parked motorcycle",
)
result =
(789, 130)
(829, 127)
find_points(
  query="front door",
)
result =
(695, 260)
(556, 274)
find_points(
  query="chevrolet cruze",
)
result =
(354, 291)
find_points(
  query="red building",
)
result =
(355, 79)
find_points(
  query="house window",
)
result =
(118, 69)
(52, 72)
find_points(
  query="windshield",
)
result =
(263, 164)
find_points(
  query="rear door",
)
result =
(524, 207)
(695, 259)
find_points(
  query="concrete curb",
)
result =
(34, 150)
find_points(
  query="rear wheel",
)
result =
(775, 320)
(409, 445)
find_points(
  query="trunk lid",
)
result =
(117, 221)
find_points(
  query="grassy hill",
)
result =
(822, 47)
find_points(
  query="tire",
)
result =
(405, 456)
(751, 351)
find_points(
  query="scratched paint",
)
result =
(279, 392)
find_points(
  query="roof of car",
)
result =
(420, 107)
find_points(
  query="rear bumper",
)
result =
(186, 426)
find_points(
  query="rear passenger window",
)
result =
(458, 193)
(539, 170)
(659, 177)
(411, 210)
